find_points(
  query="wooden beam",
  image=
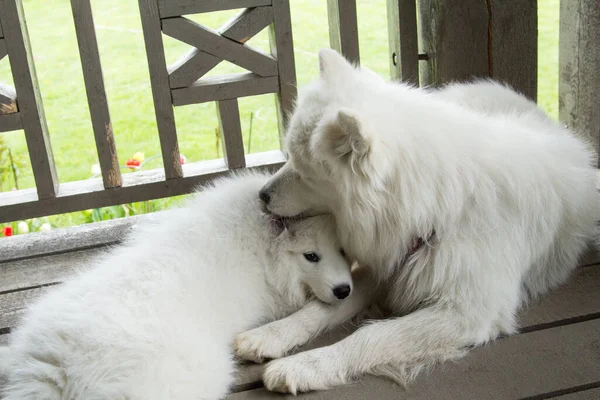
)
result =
(228, 113)
(8, 100)
(96, 94)
(196, 63)
(12, 18)
(3, 52)
(10, 122)
(282, 48)
(454, 35)
(140, 186)
(403, 40)
(514, 39)
(213, 43)
(174, 8)
(161, 91)
(225, 87)
(579, 59)
(343, 28)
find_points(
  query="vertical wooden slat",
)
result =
(231, 133)
(514, 44)
(579, 61)
(3, 52)
(343, 28)
(404, 47)
(96, 94)
(161, 92)
(454, 35)
(29, 100)
(282, 48)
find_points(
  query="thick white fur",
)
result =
(155, 319)
(509, 194)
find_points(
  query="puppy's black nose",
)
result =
(264, 196)
(341, 291)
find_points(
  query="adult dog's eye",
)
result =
(342, 252)
(312, 257)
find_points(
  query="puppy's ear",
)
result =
(334, 67)
(344, 137)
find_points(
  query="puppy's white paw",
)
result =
(260, 344)
(303, 372)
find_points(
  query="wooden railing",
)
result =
(454, 40)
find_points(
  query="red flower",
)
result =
(182, 159)
(7, 231)
(133, 163)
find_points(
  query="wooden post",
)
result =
(402, 32)
(454, 35)
(579, 61)
(343, 28)
(231, 133)
(29, 100)
(94, 86)
(161, 91)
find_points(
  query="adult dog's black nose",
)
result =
(264, 196)
(341, 291)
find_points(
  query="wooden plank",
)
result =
(10, 122)
(33, 119)
(140, 186)
(578, 300)
(3, 52)
(585, 394)
(13, 304)
(173, 8)
(579, 57)
(241, 28)
(515, 367)
(403, 41)
(282, 48)
(8, 100)
(225, 87)
(96, 94)
(343, 28)
(213, 43)
(514, 44)
(228, 113)
(161, 92)
(454, 35)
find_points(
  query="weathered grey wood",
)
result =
(33, 119)
(228, 113)
(14, 303)
(403, 41)
(516, 367)
(10, 122)
(1, 31)
(454, 35)
(589, 394)
(591, 257)
(579, 58)
(211, 42)
(225, 87)
(94, 86)
(8, 100)
(282, 48)
(141, 186)
(173, 8)
(343, 28)
(161, 92)
(3, 52)
(514, 44)
(196, 63)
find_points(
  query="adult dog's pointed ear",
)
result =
(343, 136)
(333, 66)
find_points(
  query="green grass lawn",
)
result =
(125, 70)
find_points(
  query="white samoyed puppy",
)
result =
(156, 318)
(463, 202)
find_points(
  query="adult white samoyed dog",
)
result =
(463, 203)
(156, 318)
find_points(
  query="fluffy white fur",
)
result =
(156, 318)
(509, 194)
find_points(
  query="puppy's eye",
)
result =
(342, 252)
(312, 257)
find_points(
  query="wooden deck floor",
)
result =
(556, 355)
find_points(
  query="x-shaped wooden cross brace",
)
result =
(212, 47)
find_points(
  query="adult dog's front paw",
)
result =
(260, 344)
(304, 372)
